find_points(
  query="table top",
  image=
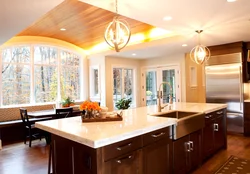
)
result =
(47, 113)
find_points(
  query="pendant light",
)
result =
(117, 34)
(200, 53)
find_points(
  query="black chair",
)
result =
(64, 112)
(29, 128)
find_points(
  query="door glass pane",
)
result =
(168, 76)
(151, 88)
(128, 81)
(117, 77)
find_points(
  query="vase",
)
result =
(89, 114)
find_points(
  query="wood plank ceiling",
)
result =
(85, 24)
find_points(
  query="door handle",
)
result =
(124, 147)
(125, 158)
(158, 135)
(219, 112)
(216, 127)
(191, 145)
(187, 146)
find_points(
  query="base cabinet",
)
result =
(214, 133)
(157, 157)
(187, 153)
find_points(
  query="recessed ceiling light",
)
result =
(62, 29)
(184, 45)
(133, 54)
(231, 0)
(167, 18)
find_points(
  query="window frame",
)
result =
(134, 102)
(32, 65)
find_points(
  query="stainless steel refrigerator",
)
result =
(224, 85)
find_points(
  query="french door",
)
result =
(154, 77)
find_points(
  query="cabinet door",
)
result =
(219, 135)
(208, 140)
(195, 148)
(180, 153)
(125, 164)
(62, 156)
(157, 158)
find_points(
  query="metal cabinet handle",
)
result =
(187, 146)
(191, 145)
(124, 147)
(216, 127)
(125, 158)
(158, 135)
(219, 112)
(208, 116)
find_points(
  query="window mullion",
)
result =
(32, 76)
(58, 75)
(1, 69)
(122, 85)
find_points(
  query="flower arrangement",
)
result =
(90, 106)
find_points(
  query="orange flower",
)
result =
(90, 106)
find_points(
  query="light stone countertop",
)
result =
(135, 122)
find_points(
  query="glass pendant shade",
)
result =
(117, 34)
(200, 53)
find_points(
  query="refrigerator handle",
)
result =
(241, 95)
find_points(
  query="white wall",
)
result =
(176, 59)
(99, 61)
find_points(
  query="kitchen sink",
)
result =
(187, 122)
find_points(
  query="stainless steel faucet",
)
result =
(159, 96)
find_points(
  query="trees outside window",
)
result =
(30, 75)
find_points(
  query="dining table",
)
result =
(50, 113)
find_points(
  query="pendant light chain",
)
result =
(116, 8)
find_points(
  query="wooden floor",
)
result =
(20, 159)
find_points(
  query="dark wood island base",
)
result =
(151, 153)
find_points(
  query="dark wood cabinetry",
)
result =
(151, 153)
(146, 154)
(214, 133)
(247, 117)
(187, 153)
(157, 153)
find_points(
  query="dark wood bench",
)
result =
(15, 123)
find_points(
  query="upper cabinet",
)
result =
(237, 47)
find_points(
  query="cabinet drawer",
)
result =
(122, 147)
(213, 115)
(156, 135)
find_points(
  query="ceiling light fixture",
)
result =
(133, 54)
(167, 18)
(199, 53)
(62, 29)
(231, 0)
(184, 45)
(117, 34)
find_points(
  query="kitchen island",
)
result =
(141, 143)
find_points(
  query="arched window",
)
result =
(37, 74)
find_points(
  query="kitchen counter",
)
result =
(135, 122)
